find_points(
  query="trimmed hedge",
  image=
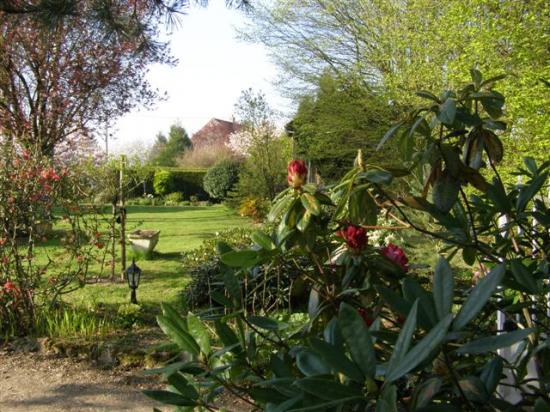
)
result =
(188, 182)
(221, 178)
(165, 180)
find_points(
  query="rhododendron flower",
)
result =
(9, 286)
(297, 173)
(367, 316)
(396, 255)
(355, 237)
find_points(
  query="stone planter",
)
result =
(143, 241)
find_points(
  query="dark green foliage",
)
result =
(221, 178)
(342, 117)
(186, 181)
(379, 336)
(166, 150)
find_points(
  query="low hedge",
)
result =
(164, 180)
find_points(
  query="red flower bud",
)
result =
(396, 255)
(367, 316)
(9, 286)
(355, 237)
(297, 173)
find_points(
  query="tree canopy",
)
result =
(339, 118)
(400, 47)
(166, 150)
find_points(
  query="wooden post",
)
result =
(122, 214)
(113, 239)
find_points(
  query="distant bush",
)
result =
(254, 207)
(204, 266)
(221, 178)
(173, 199)
(188, 182)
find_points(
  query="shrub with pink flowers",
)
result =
(30, 187)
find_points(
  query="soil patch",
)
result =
(36, 382)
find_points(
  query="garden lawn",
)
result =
(181, 229)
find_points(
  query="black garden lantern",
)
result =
(133, 273)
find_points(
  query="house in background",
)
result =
(215, 132)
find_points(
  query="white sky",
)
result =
(214, 67)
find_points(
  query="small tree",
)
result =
(221, 178)
(166, 150)
(265, 150)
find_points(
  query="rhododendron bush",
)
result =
(30, 187)
(383, 334)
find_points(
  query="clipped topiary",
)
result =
(221, 178)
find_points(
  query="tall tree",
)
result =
(166, 151)
(265, 150)
(400, 47)
(341, 117)
(61, 82)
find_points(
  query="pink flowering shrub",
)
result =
(30, 187)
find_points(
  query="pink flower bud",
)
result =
(297, 173)
(396, 255)
(355, 237)
(367, 316)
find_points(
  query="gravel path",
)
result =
(32, 382)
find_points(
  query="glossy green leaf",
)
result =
(283, 406)
(262, 240)
(336, 359)
(404, 340)
(443, 288)
(323, 406)
(311, 363)
(412, 290)
(240, 258)
(326, 389)
(358, 339)
(171, 313)
(310, 203)
(421, 350)
(427, 95)
(474, 389)
(445, 191)
(492, 343)
(447, 111)
(524, 277)
(280, 207)
(491, 374)
(169, 398)
(528, 192)
(263, 322)
(377, 176)
(479, 296)
(362, 208)
(425, 392)
(226, 335)
(304, 221)
(492, 103)
(178, 382)
(183, 339)
(232, 286)
(395, 301)
(199, 333)
(476, 77)
(389, 134)
(493, 79)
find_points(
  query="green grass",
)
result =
(181, 229)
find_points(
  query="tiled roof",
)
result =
(215, 132)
